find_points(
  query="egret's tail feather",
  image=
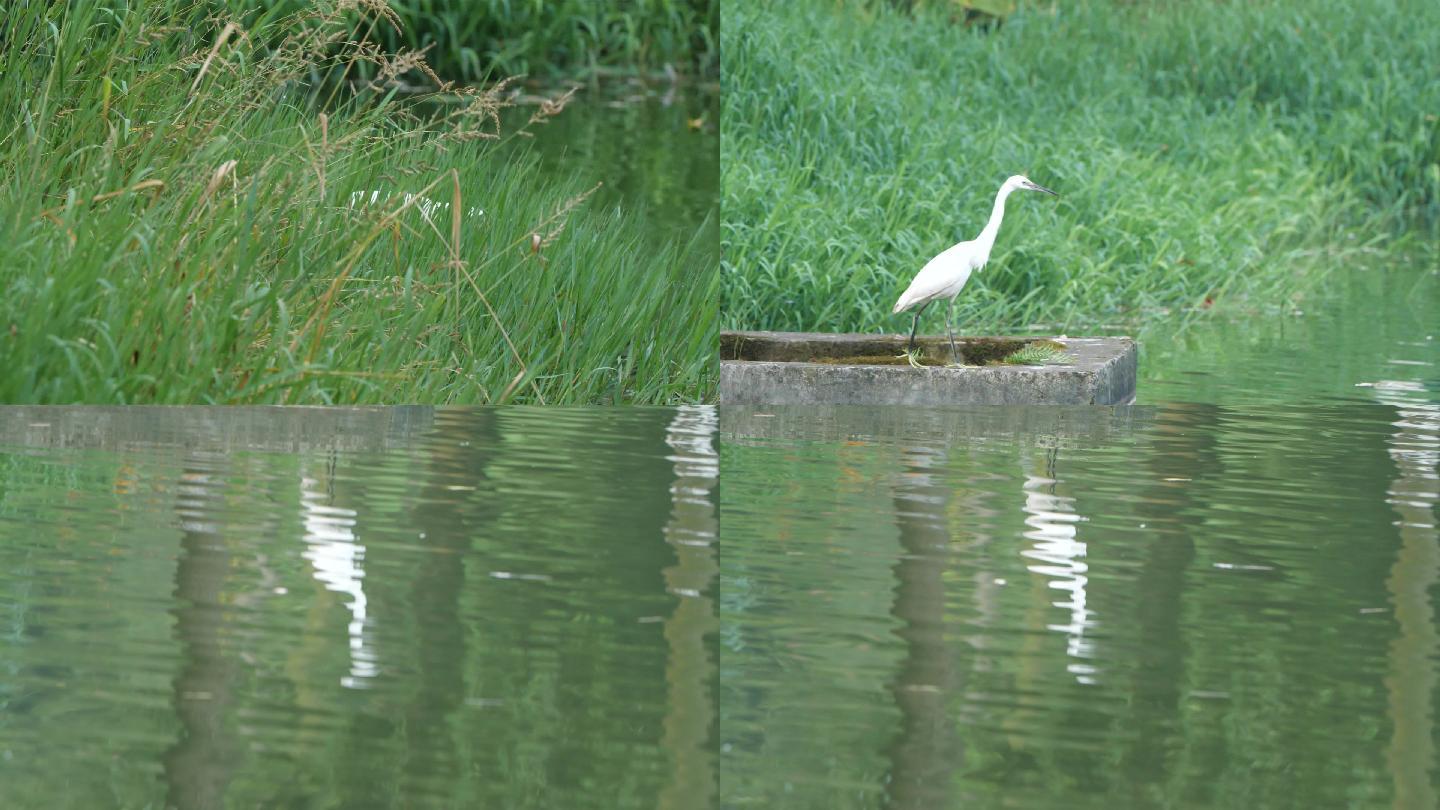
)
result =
(906, 302)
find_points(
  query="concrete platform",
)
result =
(781, 368)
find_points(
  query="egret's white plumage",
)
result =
(428, 208)
(945, 275)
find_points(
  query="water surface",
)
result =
(1374, 321)
(1221, 597)
(655, 147)
(359, 608)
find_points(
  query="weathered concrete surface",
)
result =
(768, 368)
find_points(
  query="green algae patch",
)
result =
(1039, 353)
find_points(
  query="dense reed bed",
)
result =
(1230, 155)
(181, 220)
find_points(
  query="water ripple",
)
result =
(357, 607)
(1183, 604)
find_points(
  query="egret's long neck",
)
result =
(987, 236)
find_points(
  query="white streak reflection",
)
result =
(690, 714)
(1060, 556)
(697, 467)
(1413, 494)
(199, 495)
(339, 562)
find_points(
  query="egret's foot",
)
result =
(913, 357)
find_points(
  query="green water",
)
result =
(1221, 597)
(1374, 322)
(655, 148)
(358, 608)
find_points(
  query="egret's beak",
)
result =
(1038, 187)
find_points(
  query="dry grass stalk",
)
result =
(482, 109)
(393, 67)
(551, 107)
(324, 152)
(230, 28)
(348, 261)
(379, 8)
(559, 218)
(224, 170)
(158, 185)
(458, 266)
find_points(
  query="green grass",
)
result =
(476, 40)
(175, 227)
(1206, 154)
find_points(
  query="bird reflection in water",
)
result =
(339, 562)
(1059, 555)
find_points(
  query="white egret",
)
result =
(945, 275)
(429, 209)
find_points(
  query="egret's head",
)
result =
(1022, 183)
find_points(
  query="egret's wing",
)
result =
(941, 277)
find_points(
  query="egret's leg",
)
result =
(915, 324)
(950, 330)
